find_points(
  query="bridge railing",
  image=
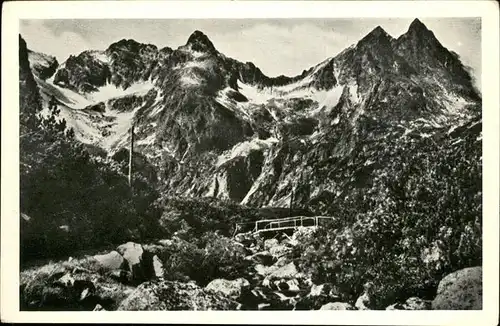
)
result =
(289, 223)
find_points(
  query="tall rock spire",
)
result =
(200, 42)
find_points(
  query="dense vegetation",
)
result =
(417, 217)
(66, 192)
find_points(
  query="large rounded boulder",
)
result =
(110, 261)
(138, 261)
(167, 295)
(460, 290)
(229, 288)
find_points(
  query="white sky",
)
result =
(276, 46)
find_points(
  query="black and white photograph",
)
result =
(250, 164)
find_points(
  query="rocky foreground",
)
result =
(133, 277)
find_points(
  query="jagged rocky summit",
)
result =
(214, 126)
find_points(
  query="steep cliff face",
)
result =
(42, 65)
(218, 127)
(30, 102)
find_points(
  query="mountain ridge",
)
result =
(198, 108)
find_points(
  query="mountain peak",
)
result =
(378, 33)
(377, 37)
(200, 42)
(130, 45)
(417, 25)
(417, 28)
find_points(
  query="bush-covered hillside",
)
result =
(414, 217)
(71, 199)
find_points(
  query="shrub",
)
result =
(200, 215)
(213, 256)
(181, 260)
(223, 258)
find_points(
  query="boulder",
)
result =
(167, 295)
(65, 281)
(263, 257)
(364, 302)
(289, 271)
(282, 261)
(110, 261)
(131, 252)
(154, 249)
(166, 242)
(318, 296)
(139, 262)
(69, 292)
(48, 288)
(98, 307)
(263, 306)
(412, 303)
(317, 290)
(301, 234)
(265, 271)
(158, 266)
(261, 298)
(460, 290)
(269, 243)
(279, 251)
(231, 289)
(337, 306)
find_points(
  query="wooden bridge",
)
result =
(288, 223)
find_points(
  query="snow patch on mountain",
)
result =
(188, 49)
(100, 56)
(110, 91)
(253, 94)
(327, 99)
(242, 109)
(66, 96)
(119, 129)
(88, 130)
(244, 148)
(204, 64)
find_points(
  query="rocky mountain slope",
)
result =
(233, 133)
(42, 65)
